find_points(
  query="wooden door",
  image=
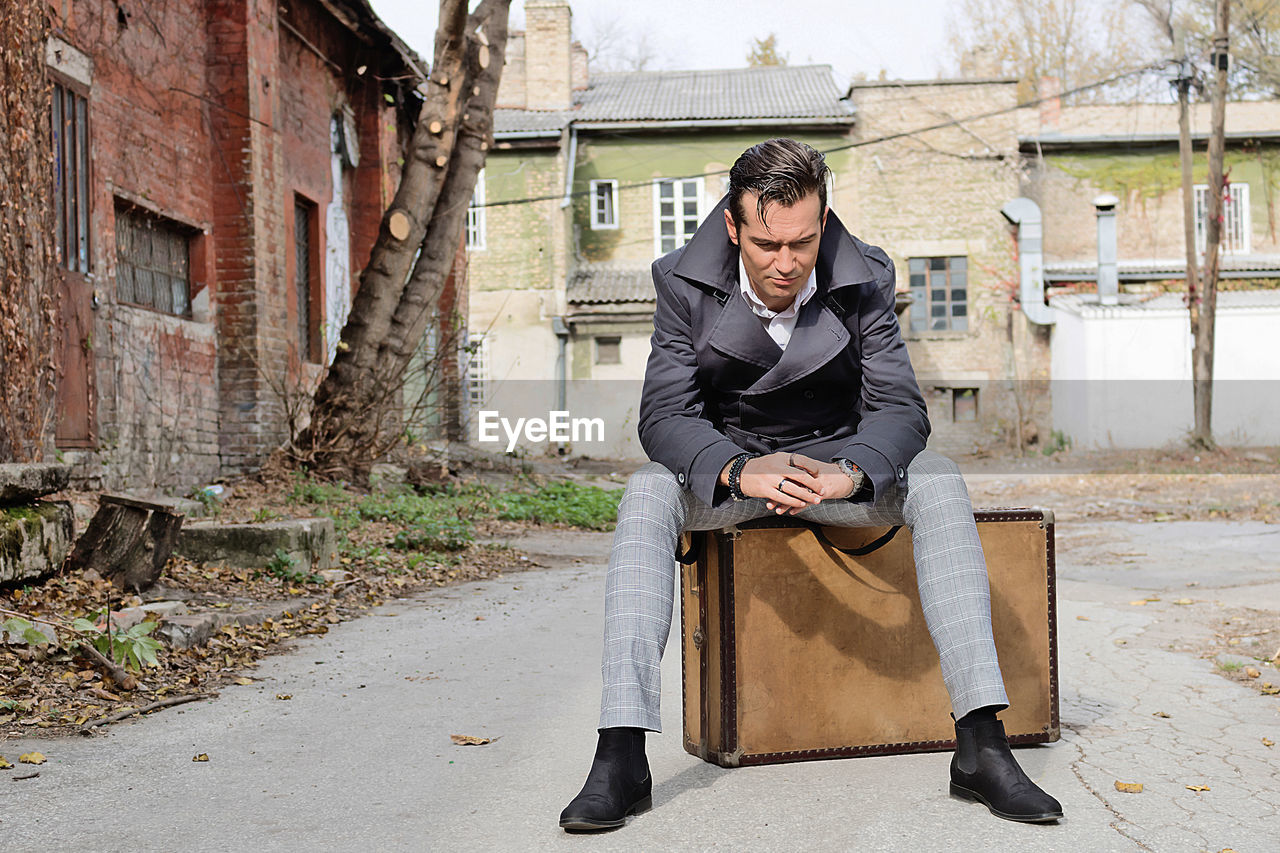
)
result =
(74, 357)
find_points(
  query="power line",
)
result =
(861, 142)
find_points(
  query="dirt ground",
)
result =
(54, 693)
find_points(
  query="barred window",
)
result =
(71, 162)
(940, 294)
(153, 261)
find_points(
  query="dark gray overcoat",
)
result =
(717, 385)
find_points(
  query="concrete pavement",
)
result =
(360, 756)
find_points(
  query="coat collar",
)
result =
(711, 258)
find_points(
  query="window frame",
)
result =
(922, 301)
(597, 224)
(1237, 207)
(477, 370)
(179, 230)
(475, 226)
(82, 172)
(699, 193)
(602, 344)
(310, 349)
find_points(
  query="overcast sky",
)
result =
(906, 38)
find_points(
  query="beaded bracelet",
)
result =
(735, 476)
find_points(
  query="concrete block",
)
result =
(34, 539)
(194, 629)
(312, 542)
(22, 483)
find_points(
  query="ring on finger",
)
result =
(791, 460)
(782, 483)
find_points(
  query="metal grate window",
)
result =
(1235, 218)
(604, 205)
(939, 291)
(475, 216)
(71, 162)
(304, 271)
(678, 210)
(153, 261)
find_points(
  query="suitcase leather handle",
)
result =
(874, 545)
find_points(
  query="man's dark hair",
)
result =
(777, 170)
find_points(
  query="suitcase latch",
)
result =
(698, 638)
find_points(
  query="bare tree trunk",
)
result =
(432, 268)
(27, 274)
(345, 428)
(1202, 342)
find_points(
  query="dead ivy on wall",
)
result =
(27, 273)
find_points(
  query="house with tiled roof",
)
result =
(593, 176)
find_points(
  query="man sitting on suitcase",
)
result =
(778, 382)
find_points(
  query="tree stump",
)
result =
(128, 541)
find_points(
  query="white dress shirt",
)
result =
(779, 324)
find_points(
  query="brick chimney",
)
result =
(548, 55)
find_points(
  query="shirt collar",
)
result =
(761, 310)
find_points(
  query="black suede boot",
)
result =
(984, 769)
(617, 785)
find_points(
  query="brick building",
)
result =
(222, 170)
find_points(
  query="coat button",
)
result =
(901, 472)
(808, 393)
(680, 478)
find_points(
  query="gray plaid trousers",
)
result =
(950, 570)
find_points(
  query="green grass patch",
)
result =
(563, 503)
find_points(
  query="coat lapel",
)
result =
(819, 336)
(740, 334)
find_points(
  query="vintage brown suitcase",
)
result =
(793, 650)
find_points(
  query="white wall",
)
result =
(1122, 376)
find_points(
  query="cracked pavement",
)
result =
(361, 755)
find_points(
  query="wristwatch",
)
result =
(854, 473)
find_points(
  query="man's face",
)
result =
(779, 254)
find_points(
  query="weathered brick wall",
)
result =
(939, 194)
(211, 115)
(154, 385)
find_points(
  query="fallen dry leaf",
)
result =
(1129, 787)
(284, 695)
(1269, 689)
(1197, 788)
(1161, 714)
(1252, 671)
(244, 681)
(4, 765)
(1083, 618)
(1184, 601)
(204, 756)
(470, 740)
(1266, 741)
(32, 758)
(1139, 603)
